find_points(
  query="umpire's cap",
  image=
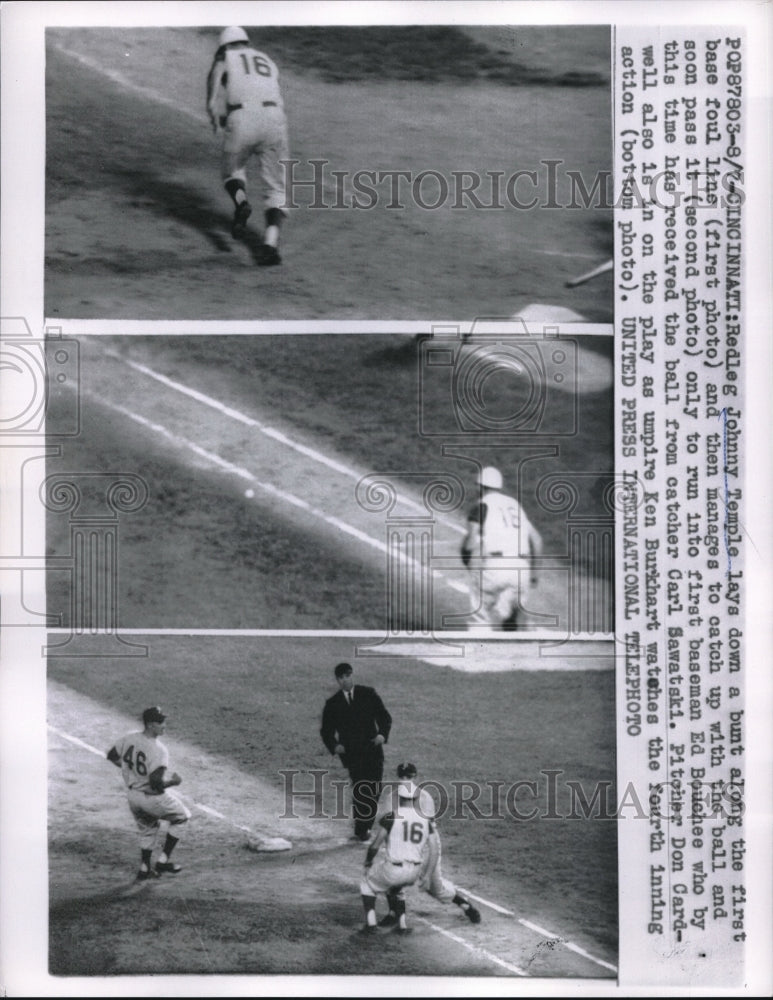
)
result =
(153, 715)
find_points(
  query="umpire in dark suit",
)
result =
(355, 725)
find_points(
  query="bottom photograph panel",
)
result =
(298, 805)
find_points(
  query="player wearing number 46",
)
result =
(502, 547)
(144, 763)
(244, 101)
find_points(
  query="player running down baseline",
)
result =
(243, 98)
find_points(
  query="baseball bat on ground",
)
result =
(601, 269)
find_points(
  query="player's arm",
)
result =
(114, 757)
(381, 834)
(472, 540)
(159, 781)
(214, 82)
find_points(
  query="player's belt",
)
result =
(497, 554)
(237, 107)
(399, 864)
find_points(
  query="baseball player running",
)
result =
(502, 546)
(144, 762)
(243, 100)
(394, 858)
(431, 878)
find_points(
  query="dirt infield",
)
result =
(242, 711)
(138, 226)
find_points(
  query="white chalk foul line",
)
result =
(272, 490)
(126, 84)
(270, 432)
(567, 944)
(475, 949)
(549, 935)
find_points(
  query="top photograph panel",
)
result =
(406, 173)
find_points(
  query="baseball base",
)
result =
(268, 844)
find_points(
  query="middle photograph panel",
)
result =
(458, 481)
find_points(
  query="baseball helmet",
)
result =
(406, 789)
(228, 35)
(491, 478)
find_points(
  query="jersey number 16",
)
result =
(414, 833)
(262, 68)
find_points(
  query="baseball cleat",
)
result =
(145, 873)
(368, 929)
(403, 931)
(167, 866)
(268, 256)
(388, 921)
(472, 915)
(239, 225)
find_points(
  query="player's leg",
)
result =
(490, 589)
(169, 809)
(147, 827)
(397, 905)
(372, 884)
(233, 169)
(177, 815)
(446, 892)
(273, 152)
(369, 906)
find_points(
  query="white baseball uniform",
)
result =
(141, 755)
(243, 93)
(399, 860)
(431, 877)
(504, 544)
